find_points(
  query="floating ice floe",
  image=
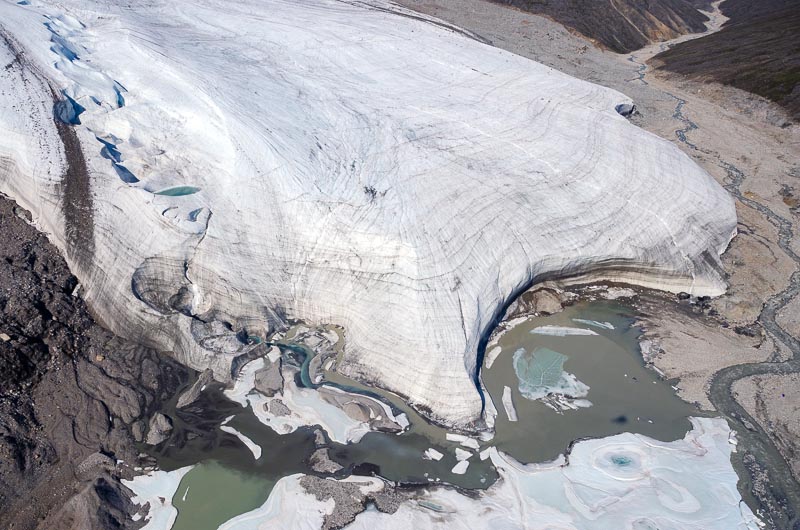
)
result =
(492, 355)
(561, 331)
(508, 404)
(595, 323)
(432, 454)
(561, 403)
(254, 447)
(466, 441)
(460, 468)
(541, 372)
(462, 454)
(157, 488)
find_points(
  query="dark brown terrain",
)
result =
(757, 50)
(74, 399)
(622, 25)
(743, 10)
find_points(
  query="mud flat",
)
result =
(772, 400)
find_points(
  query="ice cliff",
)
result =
(253, 162)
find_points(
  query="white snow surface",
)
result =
(341, 164)
(623, 481)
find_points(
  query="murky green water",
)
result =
(228, 481)
(625, 395)
(212, 493)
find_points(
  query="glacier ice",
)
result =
(337, 163)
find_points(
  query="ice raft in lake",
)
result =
(624, 481)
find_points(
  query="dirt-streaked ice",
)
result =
(256, 161)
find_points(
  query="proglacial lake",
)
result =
(625, 396)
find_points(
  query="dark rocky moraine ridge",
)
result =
(74, 398)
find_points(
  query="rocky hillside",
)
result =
(622, 25)
(757, 50)
(747, 10)
(74, 399)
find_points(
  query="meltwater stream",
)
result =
(625, 396)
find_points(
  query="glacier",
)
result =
(217, 170)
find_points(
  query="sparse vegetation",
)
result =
(760, 55)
